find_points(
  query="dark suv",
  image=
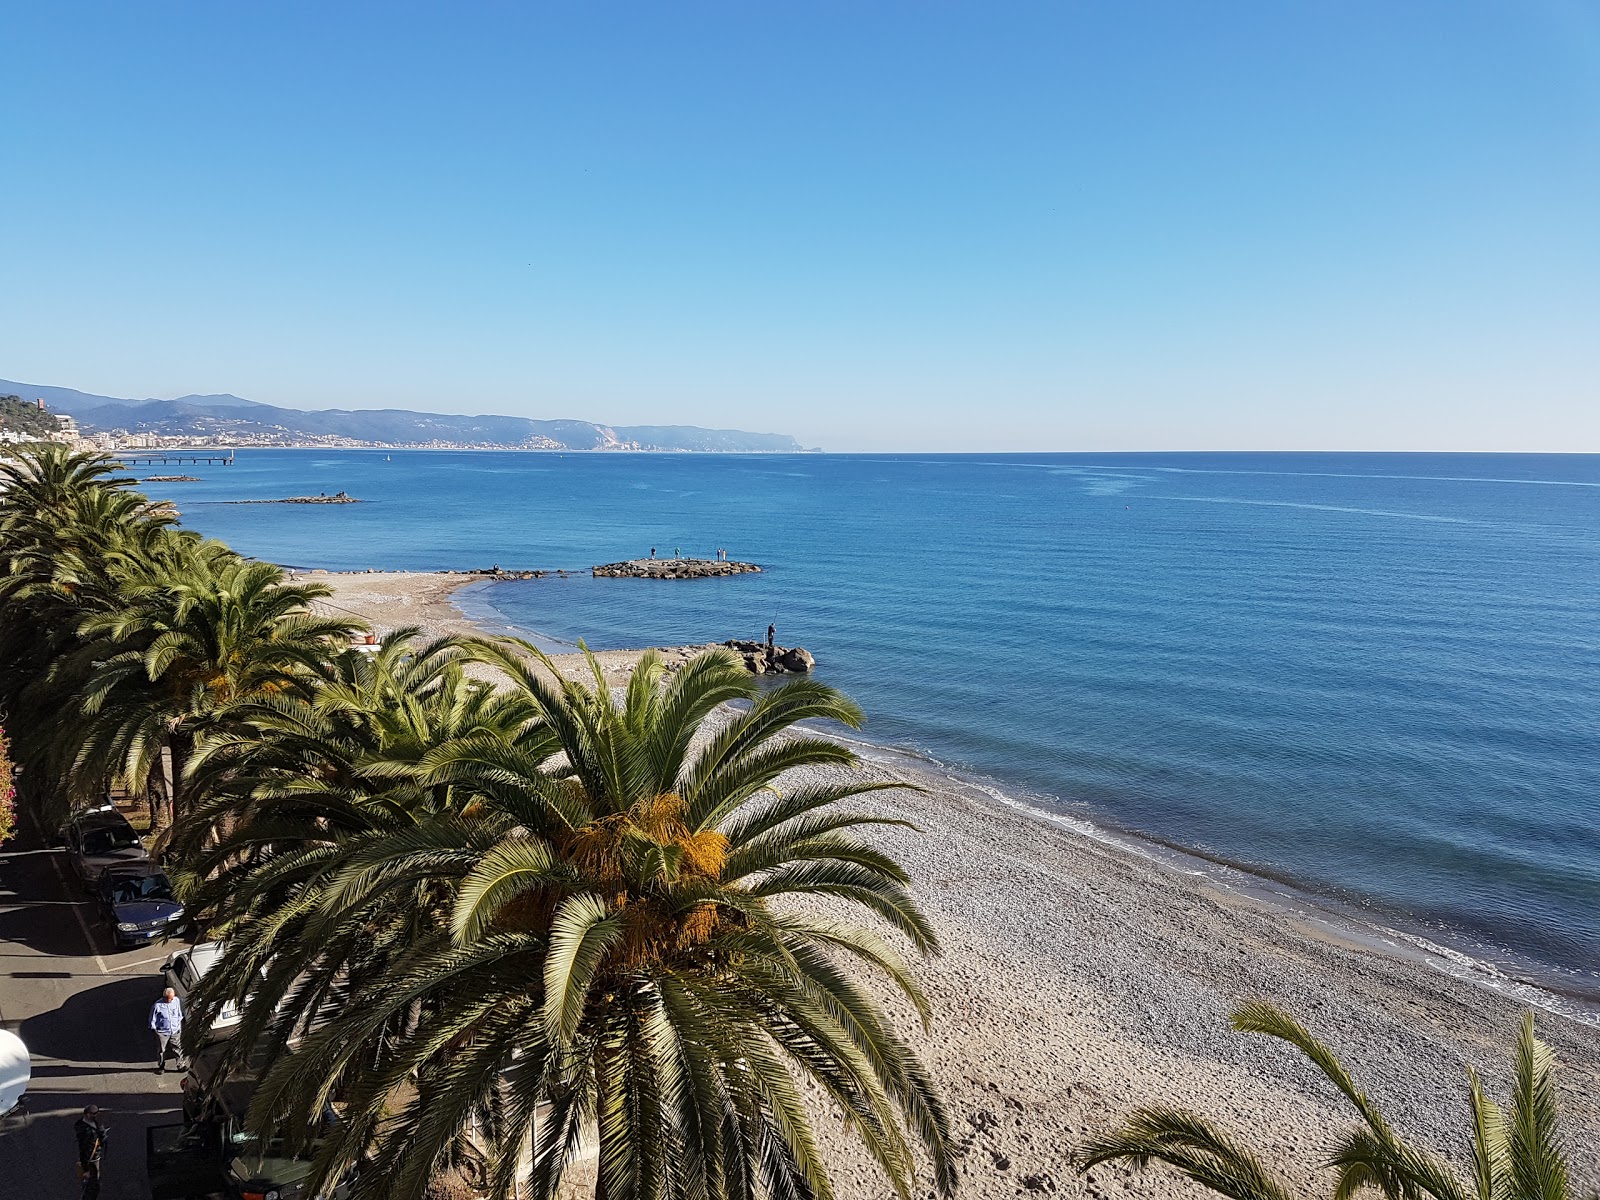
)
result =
(98, 840)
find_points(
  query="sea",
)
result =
(1371, 678)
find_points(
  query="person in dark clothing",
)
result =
(772, 634)
(91, 1137)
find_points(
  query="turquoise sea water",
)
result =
(1375, 676)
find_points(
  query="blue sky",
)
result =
(1054, 226)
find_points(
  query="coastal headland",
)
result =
(1084, 973)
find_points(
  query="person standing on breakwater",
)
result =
(652, 553)
(772, 636)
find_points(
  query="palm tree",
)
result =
(618, 954)
(196, 630)
(66, 522)
(297, 786)
(1517, 1154)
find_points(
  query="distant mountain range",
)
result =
(246, 421)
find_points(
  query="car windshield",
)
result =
(145, 887)
(104, 841)
(251, 1148)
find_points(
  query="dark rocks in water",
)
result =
(797, 659)
(497, 572)
(170, 479)
(672, 568)
(338, 498)
(794, 660)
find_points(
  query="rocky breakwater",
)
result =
(339, 498)
(672, 568)
(498, 572)
(777, 660)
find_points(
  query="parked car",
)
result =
(100, 839)
(211, 1153)
(136, 900)
(184, 971)
(16, 1069)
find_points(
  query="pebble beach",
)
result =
(1082, 975)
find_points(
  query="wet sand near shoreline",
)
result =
(1081, 977)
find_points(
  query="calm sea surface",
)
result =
(1377, 676)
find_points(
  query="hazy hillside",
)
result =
(24, 417)
(232, 416)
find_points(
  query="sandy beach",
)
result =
(389, 600)
(1082, 976)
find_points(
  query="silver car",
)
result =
(184, 971)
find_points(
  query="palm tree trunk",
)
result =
(600, 1192)
(174, 755)
(162, 810)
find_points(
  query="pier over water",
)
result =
(176, 454)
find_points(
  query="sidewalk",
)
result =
(83, 1011)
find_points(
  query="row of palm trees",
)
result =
(494, 922)
(501, 917)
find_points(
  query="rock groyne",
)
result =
(338, 498)
(796, 660)
(672, 568)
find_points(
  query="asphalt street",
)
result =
(82, 1008)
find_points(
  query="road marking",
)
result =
(77, 911)
(75, 905)
(143, 962)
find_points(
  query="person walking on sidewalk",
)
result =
(166, 1021)
(91, 1137)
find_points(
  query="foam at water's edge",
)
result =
(1340, 921)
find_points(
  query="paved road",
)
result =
(83, 1011)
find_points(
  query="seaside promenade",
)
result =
(82, 1010)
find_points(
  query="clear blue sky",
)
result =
(876, 226)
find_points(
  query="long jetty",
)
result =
(132, 458)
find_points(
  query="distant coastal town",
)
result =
(23, 422)
(112, 425)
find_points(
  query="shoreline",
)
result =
(1087, 970)
(1342, 920)
(1497, 969)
